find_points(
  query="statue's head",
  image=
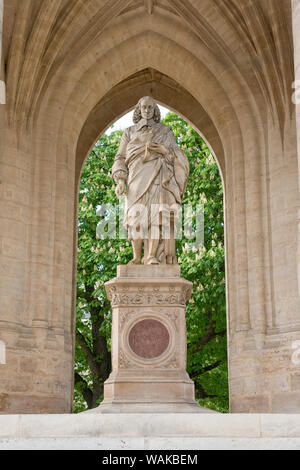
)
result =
(147, 109)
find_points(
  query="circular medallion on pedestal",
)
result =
(149, 338)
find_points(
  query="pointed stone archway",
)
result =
(73, 68)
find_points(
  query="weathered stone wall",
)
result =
(2, 83)
(69, 74)
(264, 370)
(296, 29)
(34, 377)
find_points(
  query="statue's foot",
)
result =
(135, 261)
(152, 260)
(171, 259)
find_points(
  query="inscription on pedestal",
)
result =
(125, 295)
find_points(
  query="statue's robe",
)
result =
(154, 180)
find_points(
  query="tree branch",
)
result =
(86, 391)
(203, 370)
(201, 393)
(87, 353)
(211, 367)
(211, 334)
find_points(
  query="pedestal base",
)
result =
(144, 392)
(151, 407)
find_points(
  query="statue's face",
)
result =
(147, 108)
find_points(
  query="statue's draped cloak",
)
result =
(157, 181)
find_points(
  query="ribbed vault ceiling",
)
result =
(250, 37)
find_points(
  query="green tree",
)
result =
(98, 259)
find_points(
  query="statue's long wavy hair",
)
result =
(137, 111)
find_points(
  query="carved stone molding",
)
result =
(169, 359)
(125, 362)
(124, 295)
(173, 316)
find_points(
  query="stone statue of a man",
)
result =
(154, 171)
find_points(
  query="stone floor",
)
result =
(179, 431)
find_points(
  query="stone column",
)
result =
(2, 83)
(296, 29)
(149, 342)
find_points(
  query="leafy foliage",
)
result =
(98, 259)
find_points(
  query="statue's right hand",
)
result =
(120, 188)
(159, 148)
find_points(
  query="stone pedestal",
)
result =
(149, 342)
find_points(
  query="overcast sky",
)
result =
(126, 120)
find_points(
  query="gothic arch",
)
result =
(73, 67)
